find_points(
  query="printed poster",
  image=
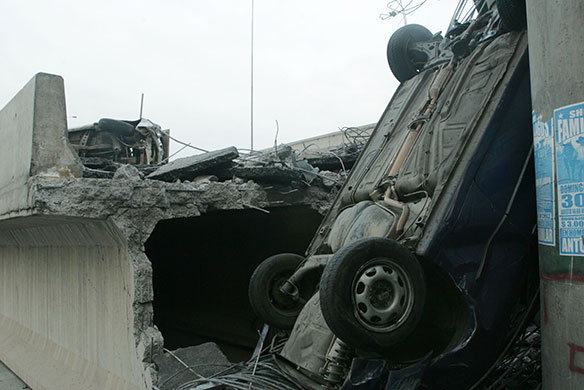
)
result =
(569, 129)
(543, 150)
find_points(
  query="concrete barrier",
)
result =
(33, 129)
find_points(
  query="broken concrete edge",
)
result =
(136, 206)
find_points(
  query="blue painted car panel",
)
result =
(473, 159)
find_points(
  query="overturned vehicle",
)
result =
(138, 142)
(425, 269)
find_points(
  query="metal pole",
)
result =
(556, 55)
(251, 116)
(141, 105)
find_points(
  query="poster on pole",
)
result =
(543, 150)
(569, 131)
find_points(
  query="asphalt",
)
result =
(9, 381)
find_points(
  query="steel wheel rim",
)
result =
(382, 294)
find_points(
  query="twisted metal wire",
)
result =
(521, 367)
(267, 376)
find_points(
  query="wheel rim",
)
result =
(383, 295)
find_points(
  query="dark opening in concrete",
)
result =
(202, 266)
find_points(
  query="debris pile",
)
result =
(108, 144)
(343, 156)
(283, 165)
(263, 374)
(520, 369)
(205, 367)
(184, 364)
(278, 167)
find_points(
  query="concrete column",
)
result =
(556, 52)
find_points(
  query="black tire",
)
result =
(513, 14)
(115, 126)
(404, 62)
(268, 303)
(381, 262)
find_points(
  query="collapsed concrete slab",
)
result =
(268, 174)
(187, 168)
(77, 296)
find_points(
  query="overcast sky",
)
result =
(319, 64)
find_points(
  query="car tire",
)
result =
(403, 62)
(512, 13)
(372, 293)
(268, 303)
(115, 126)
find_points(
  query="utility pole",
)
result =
(141, 105)
(556, 54)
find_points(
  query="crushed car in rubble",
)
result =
(424, 270)
(139, 142)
